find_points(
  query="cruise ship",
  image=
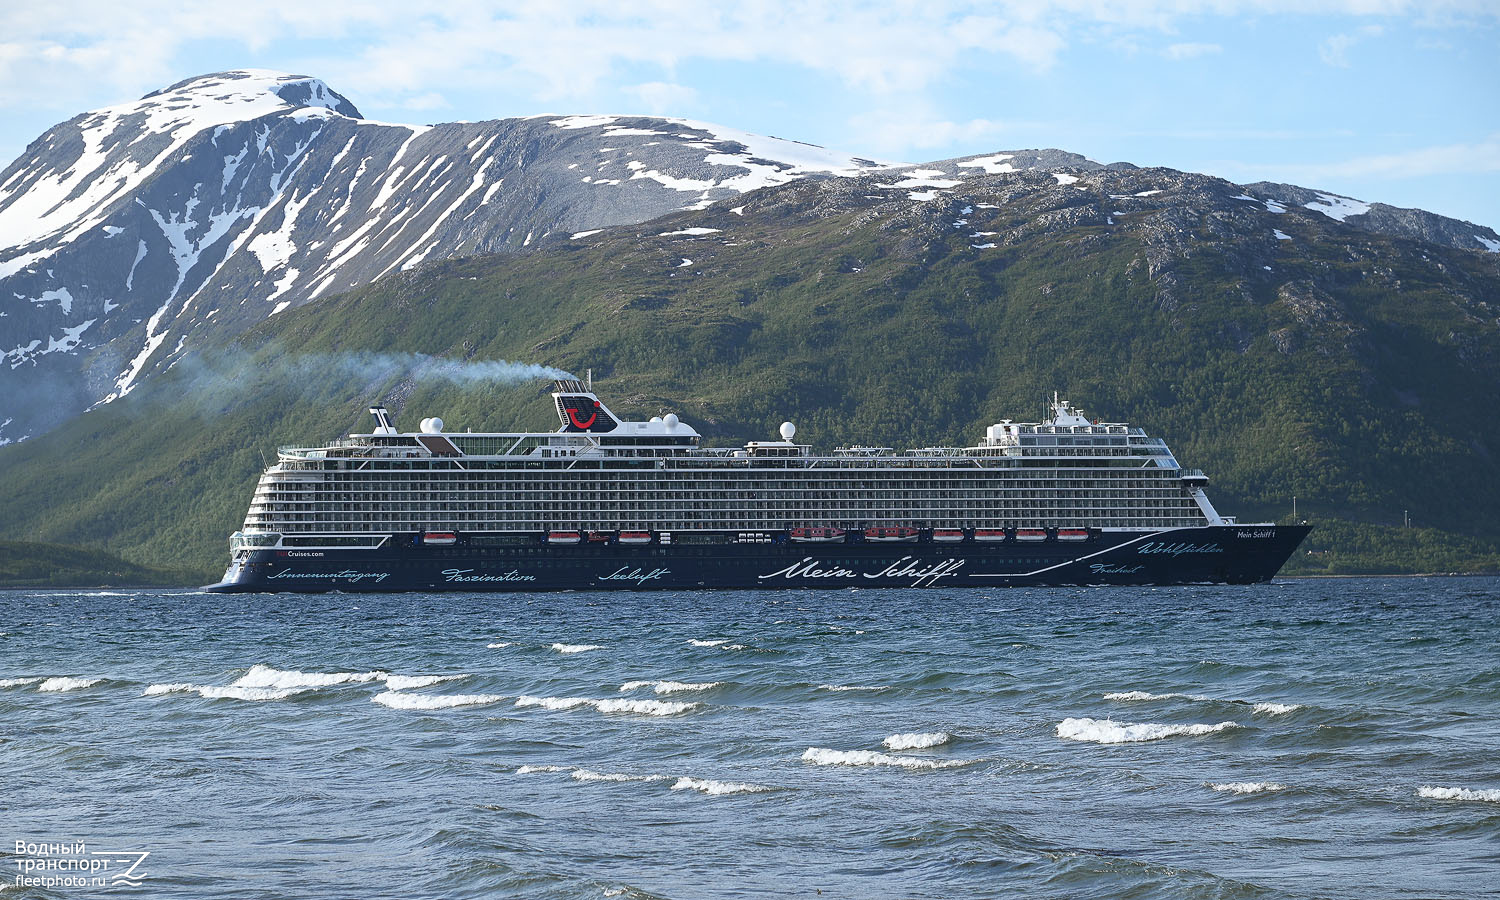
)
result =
(607, 503)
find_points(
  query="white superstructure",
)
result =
(599, 473)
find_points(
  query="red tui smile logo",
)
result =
(586, 424)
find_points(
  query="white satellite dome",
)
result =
(656, 420)
(788, 430)
(432, 425)
(670, 420)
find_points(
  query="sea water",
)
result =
(1328, 738)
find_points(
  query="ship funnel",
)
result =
(580, 410)
(382, 420)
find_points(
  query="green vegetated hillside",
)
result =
(1356, 372)
(28, 564)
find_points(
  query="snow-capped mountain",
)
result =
(128, 233)
(228, 198)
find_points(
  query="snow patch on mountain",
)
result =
(992, 165)
(60, 296)
(1336, 207)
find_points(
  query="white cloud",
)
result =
(1191, 51)
(663, 98)
(907, 126)
(1448, 159)
(429, 100)
(1335, 50)
(572, 51)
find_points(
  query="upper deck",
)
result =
(590, 431)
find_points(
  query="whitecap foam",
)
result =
(501, 645)
(66, 683)
(17, 682)
(710, 786)
(822, 756)
(261, 676)
(576, 648)
(1276, 709)
(240, 692)
(1106, 731)
(1448, 793)
(853, 687)
(917, 740)
(671, 687)
(398, 700)
(553, 702)
(612, 705)
(645, 707)
(529, 769)
(715, 643)
(408, 682)
(589, 775)
(1147, 695)
(217, 692)
(1246, 787)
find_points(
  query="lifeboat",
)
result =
(635, 537)
(563, 537)
(1031, 534)
(947, 535)
(818, 535)
(1072, 534)
(989, 534)
(598, 537)
(891, 534)
(440, 538)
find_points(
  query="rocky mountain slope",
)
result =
(131, 235)
(1285, 351)
(128, 233)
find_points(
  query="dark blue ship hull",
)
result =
(1221, 554)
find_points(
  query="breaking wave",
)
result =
(714, 643)
(1276, 709)
(612, 705)
(645, 707)
(854, 687)
(221, 692)
(1448, 793)
(710, 786)
(407, 682)
(500, 645)
(261, 676)
(66, 683)
(671, 687)
(679, 782)
(17, 682)
(1106, 731)
(1247, 787)
(1147, 695)
(1269, 709)
(576, 648)
(822, 756)
(588, 775)
(269, 683)
(398, 700)
(917, 740)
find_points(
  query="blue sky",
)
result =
(1382, 100)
